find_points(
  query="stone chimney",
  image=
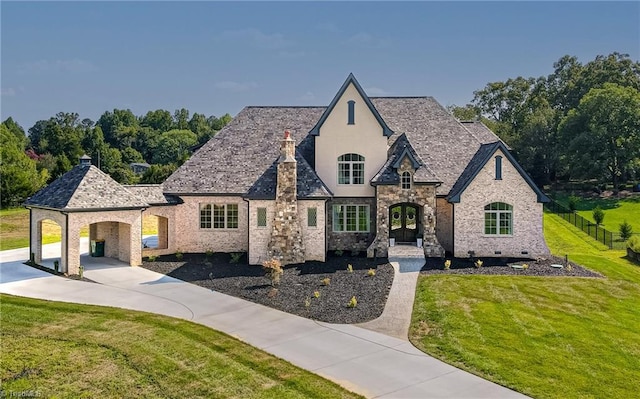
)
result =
(85, 160)
(286, 241)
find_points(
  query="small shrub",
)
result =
(209, 253)
(598, 215)
(273, 269)
(478, 263)
(235, 257)
(569, 267)
(326, 281)
(447, 264)
(634, 244)
(350, 268)
(152, 258)
(338, 252)
(525, 266)
(573, 202)
(307, 302)
(316, 294)
(353, 302)
(371, 272)
(179, 255)
(272, 292)
(626, 231)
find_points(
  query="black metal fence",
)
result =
(599, 233)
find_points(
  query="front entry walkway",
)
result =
(367, 362)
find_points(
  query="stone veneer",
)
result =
(285, 242)
(347, 241)
(423, 195)
(527, 215)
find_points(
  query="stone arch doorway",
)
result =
(404, 222)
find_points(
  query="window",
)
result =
(205, 216)
(312, 217)
(351, 169)
(351, 112)
(498, 167)
(351, 218)
(219, 216)
(406, 180)
(262, 217)
(498, 219)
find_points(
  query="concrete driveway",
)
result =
(370, 363)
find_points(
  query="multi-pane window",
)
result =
(223, 216)
(351, 218)
(262, 217)
(205, 216)
(406, 180)
(312, 217)
(351, 169)
(498, 219)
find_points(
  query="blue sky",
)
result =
(217, 57)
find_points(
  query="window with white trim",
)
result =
(351, 218)
(406, 180)
(350, 169)
(262, 217)
(219, 216)
(498, 219)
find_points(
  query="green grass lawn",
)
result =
(615, 210)
(545, 337)
(77, 351)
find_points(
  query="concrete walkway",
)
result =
(370, 363)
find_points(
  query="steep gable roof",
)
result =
(85, 187)
(308, 184)
(479, 160)
(481, 131)
(351, 80)
(400, 149)
(233, 160)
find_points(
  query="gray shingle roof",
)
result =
(479, 160)
(152, 194)
(388, 173)
(84, 188)
(481, 131)
(308, 185)
(233, 160)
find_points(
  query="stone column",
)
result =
(430, 244)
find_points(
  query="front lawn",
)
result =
(54, 349)
(546, 337)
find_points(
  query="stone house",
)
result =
(361, 174)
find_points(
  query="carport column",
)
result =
(135, 240)
(71, 240)
(36, 236)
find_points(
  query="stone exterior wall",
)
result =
(423, 195)
(189, 237)
(259, 236)
(444, 227)
(350, 241)
(315, 245)
(527, 238)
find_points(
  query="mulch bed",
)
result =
(502, 266)
(55, 273)
(295, 293)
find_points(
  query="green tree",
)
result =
(174, 145)
(157, 174)
(19, 177)
(467, 113)
(603, 134)
(626, 230)
(17, 131)
(598, 215)
(159, 120)
(181, 119)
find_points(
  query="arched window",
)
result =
(351, 117)
(498, 219)
(498, 167)
(350, 169)
(406, 180)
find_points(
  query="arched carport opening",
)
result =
(155, 231)
(49, 237)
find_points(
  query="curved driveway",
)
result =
(364, 361)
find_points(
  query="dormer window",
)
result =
(351, 118)
(498, 167)
(350, 169)
(406, 180)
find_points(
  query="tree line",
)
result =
(581, 122)
(117, 139)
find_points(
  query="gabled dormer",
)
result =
(350, 142)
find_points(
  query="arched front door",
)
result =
(404, 222)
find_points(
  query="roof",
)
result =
(481, 131)
(351, 80)
(479, 160)
(85, 187)
(309, 184)
(152, 194)
(400, 149)
(233, 160)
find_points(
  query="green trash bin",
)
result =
(97, 248)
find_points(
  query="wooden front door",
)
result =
(404, 222)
